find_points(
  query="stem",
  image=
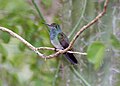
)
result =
(40, 14)
(80, 76)
(78, 23)
(56, 74)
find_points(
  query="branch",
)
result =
(22, 40)
(53, 49)
(89, 24)
(59, 51)
(32, 47)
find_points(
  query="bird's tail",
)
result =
(71, 58)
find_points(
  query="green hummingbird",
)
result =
(60, 41)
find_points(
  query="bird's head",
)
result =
(54, 26)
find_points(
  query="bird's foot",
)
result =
(55, 49)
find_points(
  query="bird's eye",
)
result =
(56, 26)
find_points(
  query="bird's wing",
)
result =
(65, 43)
(63, 40)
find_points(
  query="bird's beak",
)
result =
(47, 24)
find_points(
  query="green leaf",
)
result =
(95, 53)
(115, 42)
(3, 51)
(5, 37)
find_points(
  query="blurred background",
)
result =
(20, 66)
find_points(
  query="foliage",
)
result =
(95, 53)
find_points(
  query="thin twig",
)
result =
(40, 14)
(79, 21)
(80, 76)
(56, 74)
(53, 49)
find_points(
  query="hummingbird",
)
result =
(60, 41)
